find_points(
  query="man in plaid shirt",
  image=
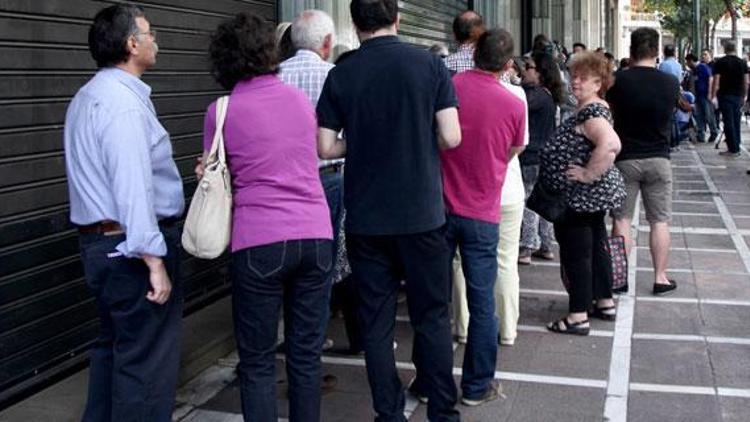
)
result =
(313, 36)
(467, 27)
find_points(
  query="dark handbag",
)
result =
(550, 205)
(615, 247)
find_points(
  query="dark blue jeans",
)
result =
(704, 115)
(477, 243)
(294, 274)
(731, 112)
(135, 359)
(379, 263)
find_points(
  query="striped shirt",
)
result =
(462, 60)
(307, 72)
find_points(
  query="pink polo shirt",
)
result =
(270, 137)
(492, 121)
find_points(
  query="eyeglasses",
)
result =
(152, 33)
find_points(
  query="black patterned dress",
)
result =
(569, 146)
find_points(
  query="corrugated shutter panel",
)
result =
(426, 22)
(47, 316)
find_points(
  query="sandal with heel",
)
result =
(563, 326)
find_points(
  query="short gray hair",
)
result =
(310, 29)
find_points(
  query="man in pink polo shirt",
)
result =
(492, 128)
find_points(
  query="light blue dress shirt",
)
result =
(673, 67)
(119, 162)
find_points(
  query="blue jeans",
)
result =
(294, 274)
(136, 358)
(477, 243)
(704, 115)
(731, 112)
(379, 263)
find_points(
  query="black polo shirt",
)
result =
(385, 98)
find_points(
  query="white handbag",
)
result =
(208, 224)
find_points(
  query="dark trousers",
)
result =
(379, 263)
(135, 359)
(344, 299)
(293, 274)
(477, 243)
(704, 116)
(583, 258)
(343, 295)
(731, 112)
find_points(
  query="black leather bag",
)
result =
(550, 205)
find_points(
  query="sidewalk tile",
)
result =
(734, 409)
(651, 407)
(667, 318)
(554, 354)
(670, 362)
(731, 362)
(726, 321)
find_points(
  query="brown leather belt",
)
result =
(111, 228)
(106, 227)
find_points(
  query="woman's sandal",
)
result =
(607, 313)
(563, 326)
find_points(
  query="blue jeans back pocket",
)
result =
(266, 260)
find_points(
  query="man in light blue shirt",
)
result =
(125, 197)
(670, 64)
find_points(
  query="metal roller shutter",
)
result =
(426, 22)
(47, 316)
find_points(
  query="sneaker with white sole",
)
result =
(493, 393)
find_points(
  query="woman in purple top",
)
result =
(281, 229)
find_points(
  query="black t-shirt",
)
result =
(643, 102)
(732, 70)
(385, 98)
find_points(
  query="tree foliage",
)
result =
(677, 15)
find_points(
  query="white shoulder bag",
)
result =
(209, 220)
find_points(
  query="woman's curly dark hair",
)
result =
(549, 75)
(243, 47)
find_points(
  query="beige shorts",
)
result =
(653, 178)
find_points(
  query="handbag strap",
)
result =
(217, 151)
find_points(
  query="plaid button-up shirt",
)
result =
(307, 72)
(462, 60)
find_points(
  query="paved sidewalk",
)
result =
(685, 357)
(682, 357)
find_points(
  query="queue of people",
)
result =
(441, 154)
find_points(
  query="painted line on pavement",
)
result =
(616, 403)
(692, 338)
(702, 250)
(692, 300)
(689, 389)
(649, 269)
(726, 216)
(201, 415)
(690, 201)
(501, 375)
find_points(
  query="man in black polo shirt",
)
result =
(397, 107)
(643, 100)
(729, 88)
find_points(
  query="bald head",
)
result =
(467, 27)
